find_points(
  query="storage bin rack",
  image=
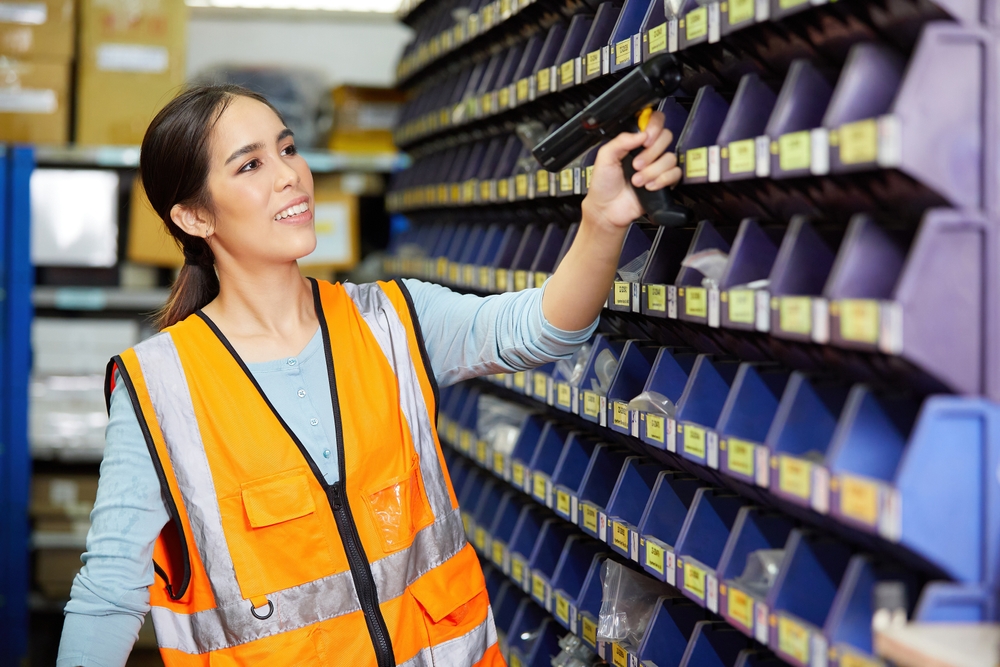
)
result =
(835, 384)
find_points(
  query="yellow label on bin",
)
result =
(620, 535)
(465, 441)
(654, 556)
(541, 181)
(481, 451)
(848, 659)
(740, 606)
(484, 190)
(591, 404)
(539, 485)
(694, 579)
(654, 427)
(517, 472)
(503, 188)
(623, 294)
(743, 153)
(589, 631)
(520, 280)
(621, 414)
(515, 660)
(658, 38)
(566, 180)
(741, 306)
(740, 11)
(795, 314)
(795, 150)
(657, 297)
(480, 538)
(859, 499)
(498, 553)
(540, 278)
(517, 570)
(859, 142)
(623, 52)
(590, 518)
(563, 394)
(696, 23)
(619, 656)
(541, 385)
(498, 462)
(522, 90)
(538, 587)
(795, 476)
(562, 502)
(694, 440)
(589, 172)
(793, 640)
(566, 73)
(544, 80)
(562, 608)
(593, 63)
(741, 456)
(520, 378)
(521, 185)
(696, 301)
(696, 162)
(859, 320)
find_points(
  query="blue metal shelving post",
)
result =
(16, 166)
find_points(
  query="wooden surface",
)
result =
(941, 645)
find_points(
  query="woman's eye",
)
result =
(290, 150)
(250, 166)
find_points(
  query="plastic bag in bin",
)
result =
(627, 603)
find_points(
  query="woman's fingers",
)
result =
(664, 163)
(654, 150)
(653, 127)
(671, 176)
(615, 150)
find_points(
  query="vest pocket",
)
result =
(275, 536)
(400, 509)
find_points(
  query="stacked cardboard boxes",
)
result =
(131, 63)
(36, 58)
(60, 508)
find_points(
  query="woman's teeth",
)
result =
(292, 210)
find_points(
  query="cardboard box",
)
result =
(55, 570)
(61, 500)
(34, 101)
(363, 119)
(37, 29)
(131, 63)
(148, 239)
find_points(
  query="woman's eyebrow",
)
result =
(249, 148)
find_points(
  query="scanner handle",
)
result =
(659, 205)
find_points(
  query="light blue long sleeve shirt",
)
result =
(465, 336)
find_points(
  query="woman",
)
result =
(272, 487)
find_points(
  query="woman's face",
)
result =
(261, 188)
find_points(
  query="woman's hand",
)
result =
(576, 293)
(610, 200)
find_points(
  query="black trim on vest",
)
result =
(428, 370)
(360, 567)
(109, 373)
(168, 499)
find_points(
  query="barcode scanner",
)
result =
(625, 107)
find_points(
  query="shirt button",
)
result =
(326, 453)
(292, 361)
(302, 393)
(314, 421)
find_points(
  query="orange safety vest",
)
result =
(264, 562)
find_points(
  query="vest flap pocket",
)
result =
(446, 591)
(278, 498)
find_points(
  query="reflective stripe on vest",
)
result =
(231, 623)
(468, 649)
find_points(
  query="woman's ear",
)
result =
(192, 221)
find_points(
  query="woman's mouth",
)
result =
(292, 212)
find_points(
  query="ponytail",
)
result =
(173, 168)
(196, 285)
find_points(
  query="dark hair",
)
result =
(173, 168)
